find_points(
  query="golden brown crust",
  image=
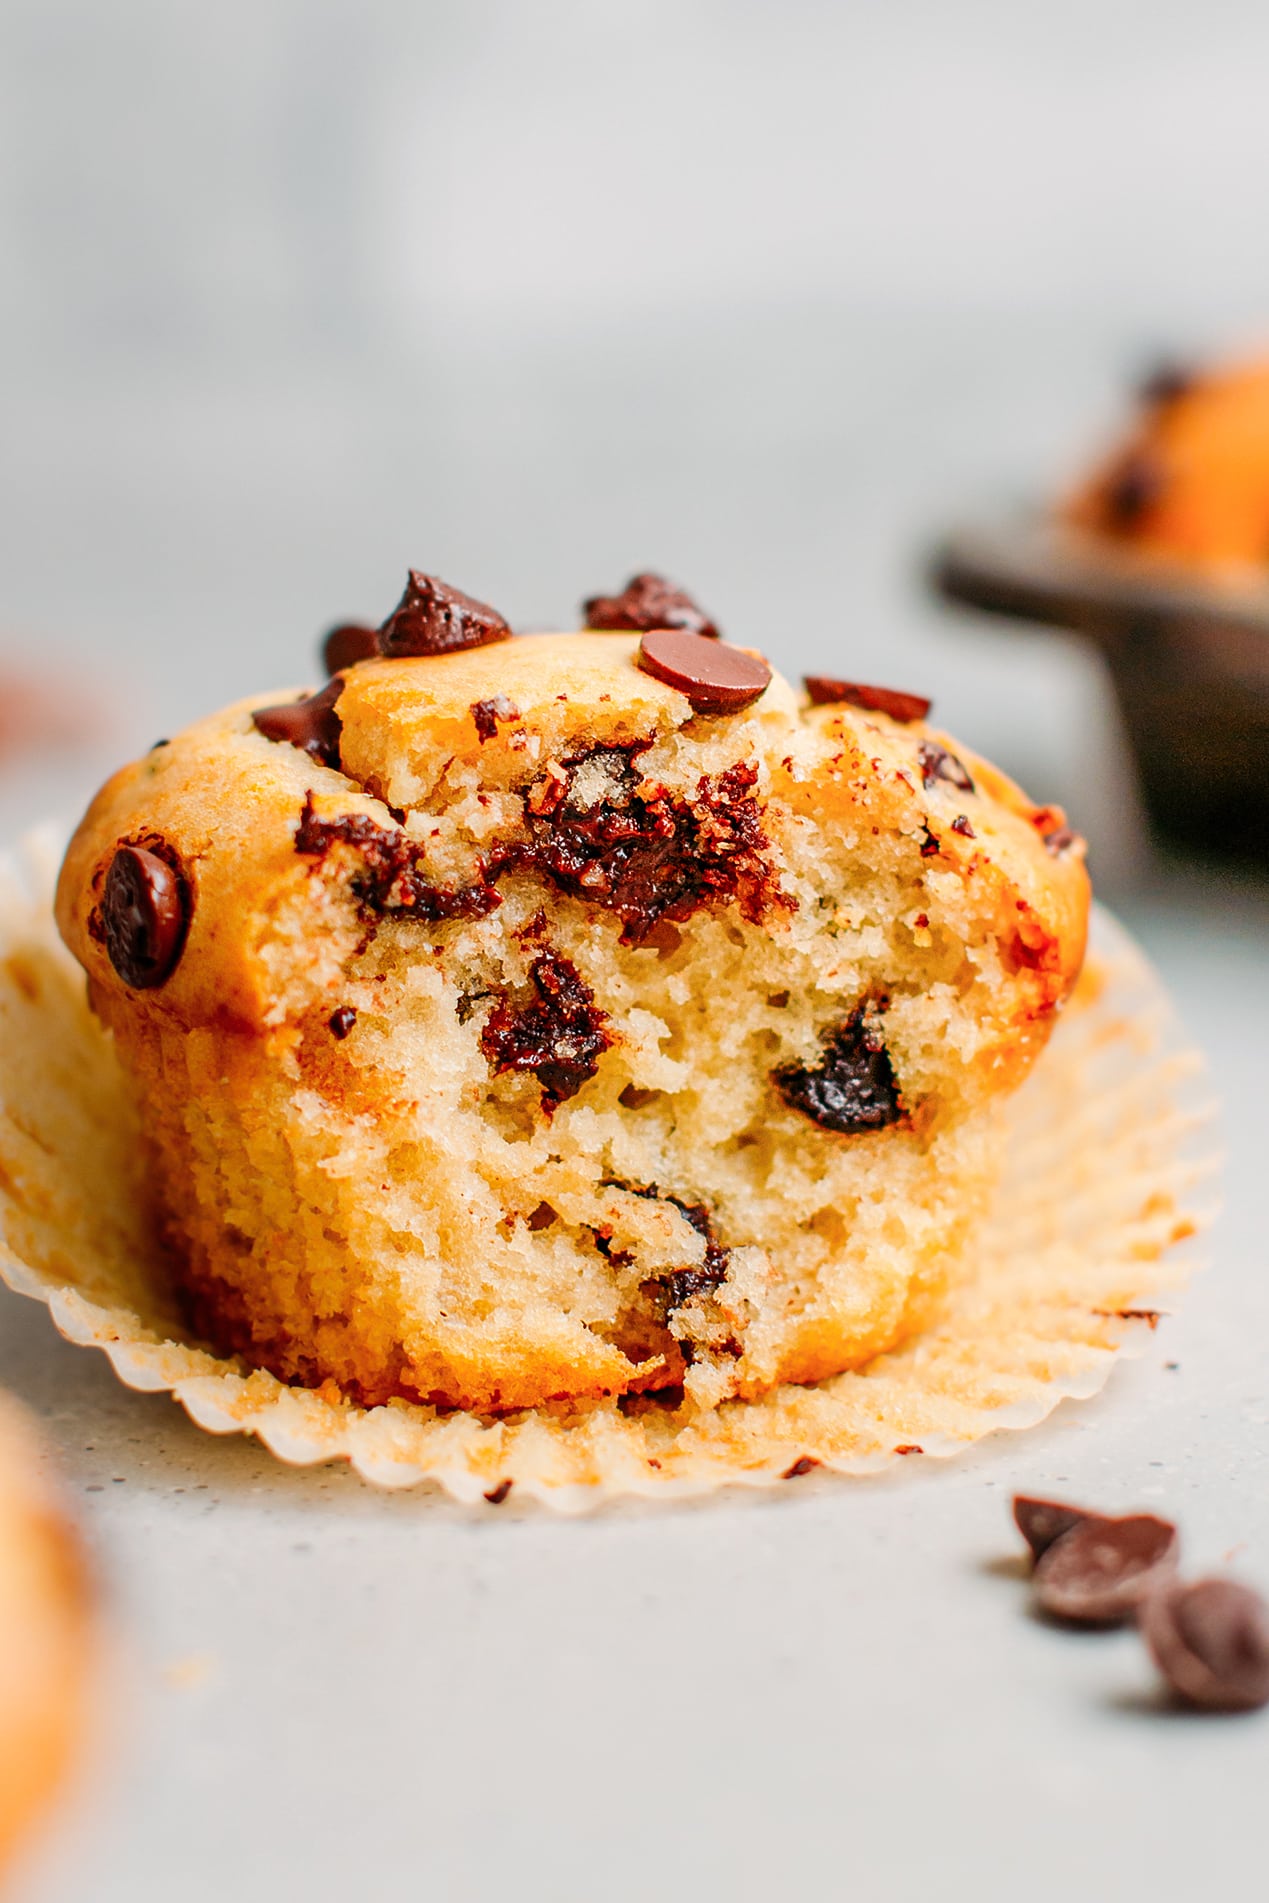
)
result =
(363, 1205)
(45, 1635)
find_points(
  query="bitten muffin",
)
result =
(1190, 482)
(44, 1634)
(554, 1017)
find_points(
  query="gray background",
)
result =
(295, 295)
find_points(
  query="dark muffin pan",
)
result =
(1189, 659)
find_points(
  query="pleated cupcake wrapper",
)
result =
(1110, 1168)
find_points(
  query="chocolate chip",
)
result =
(825, 692)
(1211, 1642)
(1061, 841)
(312, 724)
(852, 1089)
(1132, 490)
(496, 1495)
(804, 1464)
(717, 679)
(342, 1021)
(1040, 1522)
(433, 618)
(962, 826)
(1164, 383)
(145, 911)
(931, 846)
(487, 714)
(938, 764)
(909, 1447)
(647, 601)
(1099, 1571)
(347, 644)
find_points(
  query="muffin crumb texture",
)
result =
(535, 1035)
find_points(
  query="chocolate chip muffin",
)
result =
(1190, 481)
(44, 1633)
(520, 1020)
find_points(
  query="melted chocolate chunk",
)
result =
(825, 692)
(487, 714)
(648, 857)
(647, 601)
(341, 1021)
(145, 913)
(560, 1037)
(389, 878)
(433, 618)
(937, 764)
(716, 678)
(852, 1089)
(1211, 1642)
(1040, 1522)
(310, 724)
(682, 1284)
(1100, 1570)
(347, 644)
(1132, 491)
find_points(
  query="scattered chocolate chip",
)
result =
(541, 1218)
(1132, 489)
(433, 618)
(1061, 840)
(347, 644)
(1099, 1571)
(1164, 383)
(962, 826)
(1040, 1522)
(311, 724)
(717, 679)
(853, 1088)
(647, 601)
(496, 1495)
(158, 744)
(1211, 1642)
(931, 845)
(704, 1276)
(909, 1447)
(804, 1464)
(342, 1021)
(938, 764)
(145, 909)
(487, 714)
(825, 692)
(560, 1037)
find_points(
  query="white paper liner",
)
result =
(1109, 1164)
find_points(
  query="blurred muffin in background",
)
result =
(1190, 482)
(45, 1634)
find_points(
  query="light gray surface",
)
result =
(298, 292)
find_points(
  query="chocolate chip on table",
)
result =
(341, 1021)
(647, 601)
(145, 911)
(1040, 1522)
(852, 1089)
(311, 724)
(1099, 1570)
(937, 764)
(717, 679)
(433, 618)
(825, 692)
(347, 644)
(1211, 1642)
